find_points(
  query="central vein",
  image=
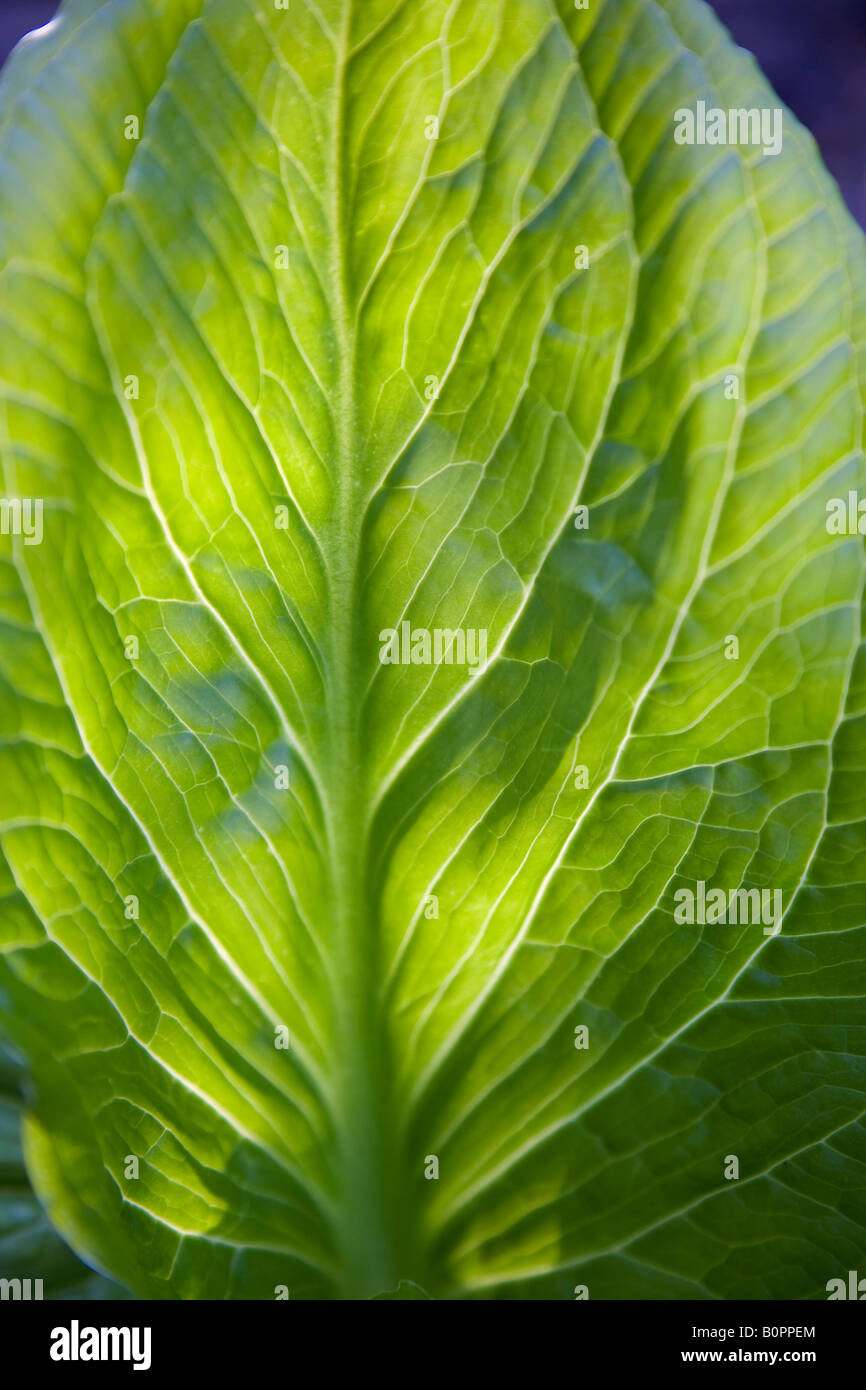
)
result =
(371, 1233)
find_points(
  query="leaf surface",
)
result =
(289, 374)
(29, 1247)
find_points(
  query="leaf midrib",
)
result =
(372, 1225)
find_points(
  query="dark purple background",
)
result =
(813, 51)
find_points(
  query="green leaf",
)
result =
(405, 1292)
(29, 1247)
(289, 374)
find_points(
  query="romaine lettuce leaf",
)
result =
(323, 328)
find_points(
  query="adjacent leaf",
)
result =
(405, 1292)
(298, 346)
(29, 1248)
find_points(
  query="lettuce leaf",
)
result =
(325, 331)
(29, 1247)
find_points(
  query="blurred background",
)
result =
(813, 51)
